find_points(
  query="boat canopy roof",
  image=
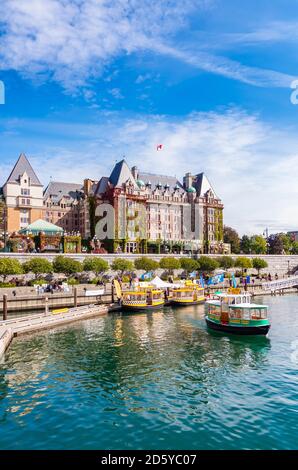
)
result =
(232, 296)
(258, 306)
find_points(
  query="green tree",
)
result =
(294, 248)
(38, 266)
(207, 264)
(63, 264)
(232, 237)
(258, 245)
(96, 265)
(279, 243)
(259, 263)
(225, 262)
(189, 264)
(245, 244)
(122, 265)
(170, 263)
(9, 266)
(147, 264)
(243, 263)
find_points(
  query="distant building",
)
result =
(158, 213)
(23, 195)
(293, 235)
(66, 205)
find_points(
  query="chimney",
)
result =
(87, 186)
(187, 180)
(135, 172)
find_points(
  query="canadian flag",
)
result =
(159, 147)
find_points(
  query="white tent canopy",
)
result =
(160, 284)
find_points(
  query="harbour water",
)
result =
(155, 380)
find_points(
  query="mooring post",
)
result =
(75, 297)
(113, 293)
(5, 307)
(46, 306)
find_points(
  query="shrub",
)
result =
(72, 281)
(38, 266)
(170, 263)
(96, 265)
(10, 266)
(67, 266)
(121, 264)
(147, 264)
(37, 282)
(259, 263)
(7, 284)
(207, 264)
(189, 264)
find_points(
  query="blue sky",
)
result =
(90, 81)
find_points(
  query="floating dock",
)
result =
(43, 321)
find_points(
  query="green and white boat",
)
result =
(234, 313)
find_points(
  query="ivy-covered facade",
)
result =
(139, 212)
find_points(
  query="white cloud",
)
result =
(251, 165)
(73, 41)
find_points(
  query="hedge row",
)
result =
(68, 266)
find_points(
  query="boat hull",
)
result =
(238, 330)
(176, 303)
(136, 308)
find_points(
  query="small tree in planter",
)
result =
(62, 264)
(38, 266)
(225, 262)
(258, 264)
(9, 267)
(243, 263)
(207, 264)
(169, 263)
(121, 265)
(146, 264)
(95, 265)
(189, 264)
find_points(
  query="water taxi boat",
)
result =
(188, 294)
(234, 313)
(144, 299)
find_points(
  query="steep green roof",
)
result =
(191, 189)
(42, 226)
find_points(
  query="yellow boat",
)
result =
(144, 299)
(189, 294)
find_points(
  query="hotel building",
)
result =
(158, 213)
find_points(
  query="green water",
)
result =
(153, 381)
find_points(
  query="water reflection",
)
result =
(160, 372)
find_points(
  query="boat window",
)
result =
(263, 313)
(246, 314)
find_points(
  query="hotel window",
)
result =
(25, 192)
(24, 217)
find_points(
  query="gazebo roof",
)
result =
(42, 226)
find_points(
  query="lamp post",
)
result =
(5, 237)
